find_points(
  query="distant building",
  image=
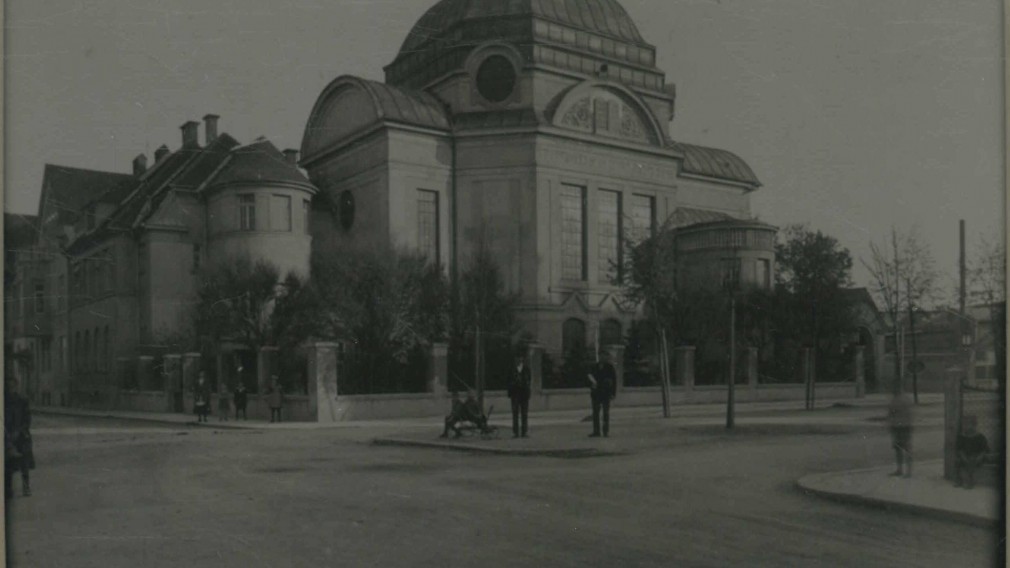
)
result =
(542, 130)
(115, 257)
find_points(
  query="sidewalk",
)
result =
(926, 492)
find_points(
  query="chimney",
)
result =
(190, 134)
(291, 155)
(210, 127)
(160, 154)
(139, 165)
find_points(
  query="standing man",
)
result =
(201, 397)
(899, 416)
(602, 389)
(275, 398)
(520, 383)
(972, 451)
(18, 454)
(241, 397)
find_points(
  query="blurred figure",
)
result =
(899, 417)
(519, 393)
(201, 397)
(972, 451)
(223, 404)
(18, 454)
(275, 398)
(241, 398)
(602, 390)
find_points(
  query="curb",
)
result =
(564, 453)
(804, 485)
(149, 420)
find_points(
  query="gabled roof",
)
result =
(715, 163)
(67, 190)
(19, 230)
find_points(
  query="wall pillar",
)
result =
(859, 370)
(684, 366)
(266, 358)
(322, 385)
(750, 366)
(617, 360)
(190, 370)
(535, 358)
(438, 369)
(172, 383)
(951, 420)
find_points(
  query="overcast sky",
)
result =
(856, 115)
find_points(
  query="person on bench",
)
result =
(972, 451)
(465, 411)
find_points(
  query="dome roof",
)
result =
(603, 17)
(576, 35)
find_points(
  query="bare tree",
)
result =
(904, 279)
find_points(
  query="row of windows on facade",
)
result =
(90, 351)
(279, 213)
(612, 221)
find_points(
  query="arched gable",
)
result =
(350, 105)
(604, 108)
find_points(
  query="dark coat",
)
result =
(606, 381)
(240, 398)
(17, 431)
(275, 397)
(520, 383)
(201, 394)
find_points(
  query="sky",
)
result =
(857, 116)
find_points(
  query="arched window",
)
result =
(610, 333)
(573, 336)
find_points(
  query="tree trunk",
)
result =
(664, 371)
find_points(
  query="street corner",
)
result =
(925, 493)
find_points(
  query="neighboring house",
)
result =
(943, 340)
(544, 134)
(989, 342)
(120, 254)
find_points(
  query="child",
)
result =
(223, 406)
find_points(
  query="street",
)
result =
(681, 493)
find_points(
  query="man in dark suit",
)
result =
(520, 382)
(602, 389)
(18, 454)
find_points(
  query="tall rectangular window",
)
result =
(40, 298)
(643, 216)
(306, 210)
(609, 227)
(764, 274)
(196, 257)
(247, 212)
(729, 271)
(280, 213)
(427, 224)
(573, 232)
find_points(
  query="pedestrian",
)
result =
(275, 398)
(899, 416)
(201, 397)
(602, 390)
(241, 398)
(972, 451)
(519, 387)
(18, 454)
(223, 404)
(465, 411)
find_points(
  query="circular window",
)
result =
(346, 209)
(496, 78)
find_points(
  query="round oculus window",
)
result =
(345, 210)
(496, 78)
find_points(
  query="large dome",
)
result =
(577, 35)
(603, 17)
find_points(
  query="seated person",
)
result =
(972, 451)
(466, 411)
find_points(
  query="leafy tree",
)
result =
(812, 270)
(235, 300)
(389, 304)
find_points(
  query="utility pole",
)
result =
(962, 268)
(730, 393)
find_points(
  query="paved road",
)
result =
(117, 494)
